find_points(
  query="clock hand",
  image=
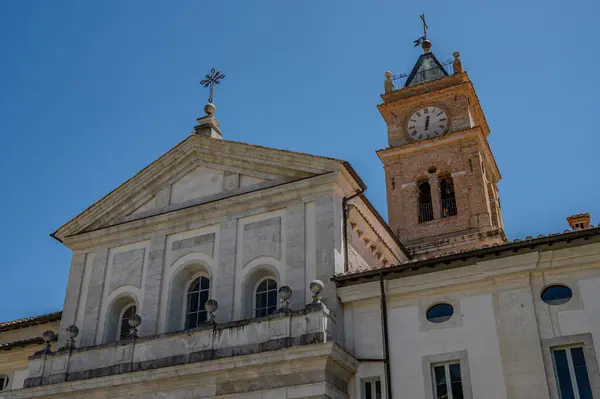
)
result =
(427, 123)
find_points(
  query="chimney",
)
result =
(579, 221)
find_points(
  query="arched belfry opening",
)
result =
(425, 205)
(448, 198)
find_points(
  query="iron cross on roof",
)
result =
(211, 80)
(425, 27)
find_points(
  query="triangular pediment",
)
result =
(426, 69)
(197, 170)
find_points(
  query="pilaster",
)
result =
(461, 192)
(519, 339)
(72, 296)
(478, 198)
(224, 289)
(94, 299)
(329, 253)
(153, 284)
(295, 254)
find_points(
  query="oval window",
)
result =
(557, 294)
(440, 313)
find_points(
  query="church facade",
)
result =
(230, 270)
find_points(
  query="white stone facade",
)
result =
(235, 219)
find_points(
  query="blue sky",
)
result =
(91, 92)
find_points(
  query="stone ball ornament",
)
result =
(135, 321)
(72, 331)
(210, 109)
(285, 292)
(316, 287)
(48, 336)
(211, 306)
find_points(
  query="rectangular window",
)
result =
(372, 389)
(447, 381)
(571, 373)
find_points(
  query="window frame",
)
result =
(447, 376)
(120, 320)
(562, 301)
(571, 367)
(433, 320)
(584, 341)
(255, 293)
(460, 357)
(373, 380)
(186, 295)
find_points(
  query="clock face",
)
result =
(427, 122)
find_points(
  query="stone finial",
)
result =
(72, 332)
(388, 83)
(211, 307)
(210, 109)
(457, 63)
(285, 294)
(134, 323)
(48, 336)
(316, 287)
(579, 221)
(426, 45)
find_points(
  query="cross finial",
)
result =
(426, 44)
(213, 78)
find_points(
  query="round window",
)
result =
(440, 313)
(557, 294)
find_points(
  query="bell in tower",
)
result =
(441, 175)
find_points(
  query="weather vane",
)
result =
(424, 37)
(211, 80)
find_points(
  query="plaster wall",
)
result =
(500, 324)
(14, 362)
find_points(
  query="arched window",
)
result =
(127, 313)
(265, 298)
(425, 207)
(118, 313)
(197, 295)
(447, 197)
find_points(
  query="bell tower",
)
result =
(441, 175)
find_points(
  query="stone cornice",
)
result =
(371, 232)
(297, 359)
(388, 154)
(457, 84)
(483, 266)
(205, 213)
